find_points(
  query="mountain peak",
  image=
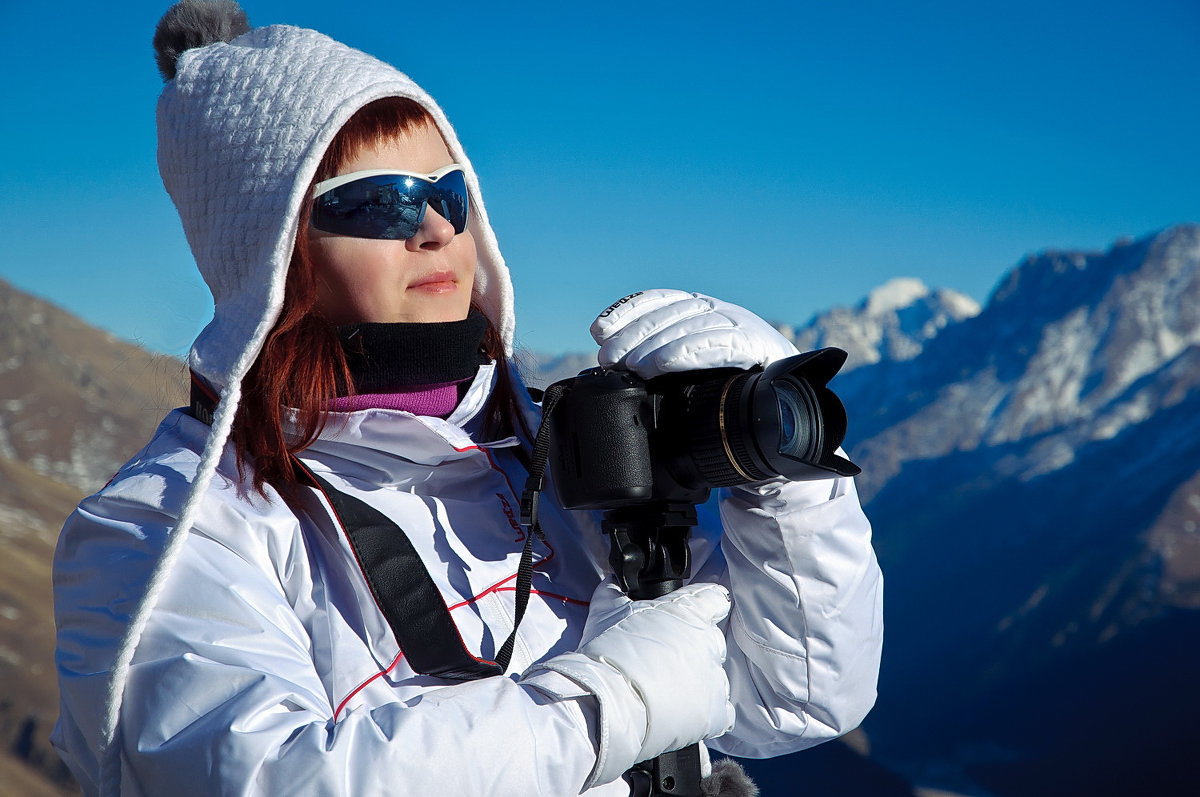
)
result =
(1044, 277)
(893, 295)
(894, 322)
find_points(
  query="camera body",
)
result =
(619, 440)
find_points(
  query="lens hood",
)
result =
(795, 421)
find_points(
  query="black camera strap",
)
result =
(537, 465)
(399, 581)
(404, 590)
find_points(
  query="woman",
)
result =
(221, 629)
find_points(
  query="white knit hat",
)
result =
(242, 127)
(241, 130)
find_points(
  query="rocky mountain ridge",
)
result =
(75, 403)
(1057, 356)
(1034, 481)
(74, 398)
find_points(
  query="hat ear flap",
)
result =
(195, 23)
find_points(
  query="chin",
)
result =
(432, 313)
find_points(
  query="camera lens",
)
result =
(787, 422)
(790, 409)
(750, 426)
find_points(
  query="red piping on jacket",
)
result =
(497, 587)
(400, 655)
(364, 684)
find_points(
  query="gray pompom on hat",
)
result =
(195, 23)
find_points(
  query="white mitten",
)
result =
(655, 667)
(659, 331)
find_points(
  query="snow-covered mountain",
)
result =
(1033, 477)
(1071, 348)
(895, 322)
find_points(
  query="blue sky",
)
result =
(787, 156)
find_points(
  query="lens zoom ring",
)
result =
(709, 451)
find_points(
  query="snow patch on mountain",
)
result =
(894, 295)
(894, 322)
(1072, 348)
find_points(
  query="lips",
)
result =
(435, 282)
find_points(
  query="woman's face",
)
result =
(425, 278)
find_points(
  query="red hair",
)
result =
(302, 365)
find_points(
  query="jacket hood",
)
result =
(242, 128)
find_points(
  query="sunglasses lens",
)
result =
(390, 206)
(449, 198)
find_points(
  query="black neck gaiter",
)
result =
(387, 358)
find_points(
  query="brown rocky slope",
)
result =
(75, 403)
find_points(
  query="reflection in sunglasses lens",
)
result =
(390, 206)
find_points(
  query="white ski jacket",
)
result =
(266, 668)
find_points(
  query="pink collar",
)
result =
(435, 400)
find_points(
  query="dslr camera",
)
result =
(619, 440)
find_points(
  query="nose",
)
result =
(433, 234)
